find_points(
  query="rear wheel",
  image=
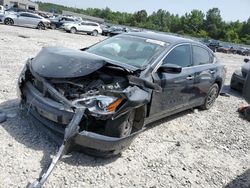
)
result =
(211, 97)
(8, 21)
(95, 33)
(41, 26)
(53, 26)
(73, 30)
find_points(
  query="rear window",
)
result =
(201, 56)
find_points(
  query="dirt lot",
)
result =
(214, 146)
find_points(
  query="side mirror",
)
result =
(170, 68)
(246, 60)
(246, 89)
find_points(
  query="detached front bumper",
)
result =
(48, 112)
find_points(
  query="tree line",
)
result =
(195, 23)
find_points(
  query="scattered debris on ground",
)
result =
(210, 148)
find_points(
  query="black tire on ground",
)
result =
(101, 154)
(73, 30)
(41, 26)
(88, 33)
(211, 97)
(122, 129)
(95, 33)
(8, 21)
(247, 114)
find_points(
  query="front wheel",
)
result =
(211, 97)
(121, 129)
(8, 21)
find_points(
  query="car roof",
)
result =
(29, 13)
(86, 21)
(161, 37)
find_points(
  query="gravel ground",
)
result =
(214, 146)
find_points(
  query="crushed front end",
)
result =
(53, 92)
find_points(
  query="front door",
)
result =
(177, 88)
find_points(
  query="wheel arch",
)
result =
(219, 82)
(8, 18)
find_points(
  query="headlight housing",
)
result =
(99, 104)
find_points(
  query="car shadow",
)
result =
(29, 133)
(227, 89)
(241, 181)
(167, 119)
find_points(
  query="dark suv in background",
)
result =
(59, 21)
(212, 44)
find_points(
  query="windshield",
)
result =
(134, 51)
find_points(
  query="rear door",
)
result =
(205, 72)
(34, 20)
(24, 19)
(83, 27)
(177, 88)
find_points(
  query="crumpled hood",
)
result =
(60, 62)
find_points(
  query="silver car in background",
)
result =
(26, 19)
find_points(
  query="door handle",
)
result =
(190, 78)
(212, 71)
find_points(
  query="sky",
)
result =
(231, 10)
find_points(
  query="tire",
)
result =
(41, 26)
(247, 114)
(100, 154)
(8, 21)
(53, 26)
(73, 30)
(95, 33)
(211, 97)
(121, 129)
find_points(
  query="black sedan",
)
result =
(243, 51)
(57, 23)
(101, 97)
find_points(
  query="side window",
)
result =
(201, 56)
(25, 15)
(181, 55)
(83, 23)
(69, 19)
(34, 16)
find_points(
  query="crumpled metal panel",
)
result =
(59, 62)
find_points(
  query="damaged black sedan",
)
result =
(110, 91)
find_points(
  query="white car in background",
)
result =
(26, 19)
(1, 13)
(91, 28)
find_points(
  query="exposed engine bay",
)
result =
(91, 85)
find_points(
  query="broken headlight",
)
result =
(99, 104)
